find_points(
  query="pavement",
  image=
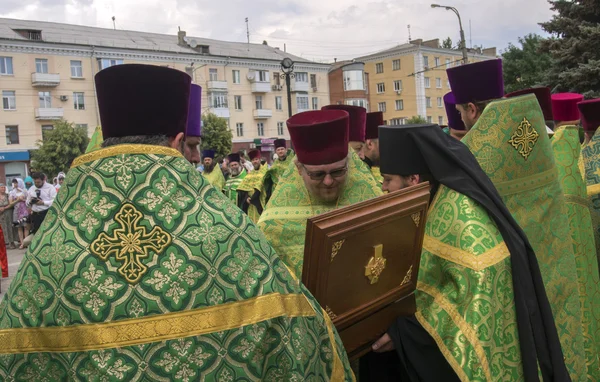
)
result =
(15, 256)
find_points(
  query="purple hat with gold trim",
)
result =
(477, 82)
(194, 123)
(454, 119)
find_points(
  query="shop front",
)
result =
(14, 164)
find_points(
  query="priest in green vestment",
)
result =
(280, 165)
(237, 173)
(212, 172)
(142, 271)
(323, 178)
(509, 140)
(251, 194)
(370, 150)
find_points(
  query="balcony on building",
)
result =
(262, 113)
(222, 112)
(300, 86)
(217, 85)
(261, 87)
(45, 79)
(49, 113)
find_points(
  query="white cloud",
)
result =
(315, 29)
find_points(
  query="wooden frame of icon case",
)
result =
(361, 263)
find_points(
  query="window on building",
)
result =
(238, 102)
(398, 85)
(78, 101)
(239, 129)
(448, 83)
(437, 61)
(236, 76)
(276, 78)
(259, 102)
(429, 119)
(399, 104)
(438, 83)
(381, 106)
(46, 129)
(447, 63)
(279, 128)
(379, 67)
(261, 129)
(104, 63)
(41, 65)
(302, 102)
(9, 100)
(381, 87)
(218, 100)
(213, 74)
(427, 83)
(354, 80)
(396, 65)
(263, 76)
(440, 120)
(315, 103)
(428, 101)
(45, 100)
(12, 135)
(425, 61)
(395, 121)
(82, 126)
(278, 103)
(357, 102)
(439, 102)
(76, 69)
(6, 65)
(301, 77)
(313, 81)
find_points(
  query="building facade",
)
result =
(47, 73)
(348, 84)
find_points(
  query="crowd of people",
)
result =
(145, 268)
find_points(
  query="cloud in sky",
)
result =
(315, 29)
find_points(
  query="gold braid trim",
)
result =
(124, 149)
(466, 259)
(337, 369)
(593, 190)
(156, 328)
(462, 325)
(577, 200)
(527, 183)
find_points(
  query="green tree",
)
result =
(216, 135)
(447, 43)
(526, 66)
(574, 46)
(415, 120)
(59, 148)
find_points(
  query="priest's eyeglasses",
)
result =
(320, 175)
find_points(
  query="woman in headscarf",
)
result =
(18, 197)
(6, 218)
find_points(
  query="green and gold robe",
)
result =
(232, 184)
(567, 151)
(95, 141)
(253, 182)
(284, 219)
(278, 168)
(590, 166)
(511, 144)
(216, 178)
(142, 271)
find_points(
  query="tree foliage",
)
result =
(447, 43)
(526, 66)
(59, 148)
(417, 119)
(574, 46)
(216, 135)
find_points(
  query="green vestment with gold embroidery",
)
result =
(278, 168)
(216, 178)
(510, 143)
(232, 184)
(142, 271)
(465, 290)
(590, 166)
(96, 140)
(284, 219)
(377, 175)
(567, 150)
(253, 182)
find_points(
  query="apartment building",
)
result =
(47, 73)
(404, 81)
(348, 84)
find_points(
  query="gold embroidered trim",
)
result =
(593, 190)
(335, 248)
(462, 325)
(416, 217)
(577, 200)
(124, 149)
(407, 277)
(528, 183)
(524, 138)
(337, 369)
(447, 354)
(466, 259)
(160, 327)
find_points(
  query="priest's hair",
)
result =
(155, 140)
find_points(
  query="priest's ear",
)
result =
(177, 142)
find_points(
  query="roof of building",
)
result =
(123, 39)
(408, 46)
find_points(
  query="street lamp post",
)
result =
(287, 67)
(463, 43)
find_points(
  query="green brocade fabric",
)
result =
(232, 184)
(284, 219)
(591, 166)
(465, 290)
(511, 144)
(567, 150)
(376, 172)
(95, 141)
(279, 167)
(142, 271)
(254, 181)
(216, 178)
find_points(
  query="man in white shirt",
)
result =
(40, 198)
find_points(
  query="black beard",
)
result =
(209, 168)
(284, 158)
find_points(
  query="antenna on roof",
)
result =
(470, 36)
(114, 25)
(409, 38)
(248, 33)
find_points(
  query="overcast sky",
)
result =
(315, 29)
